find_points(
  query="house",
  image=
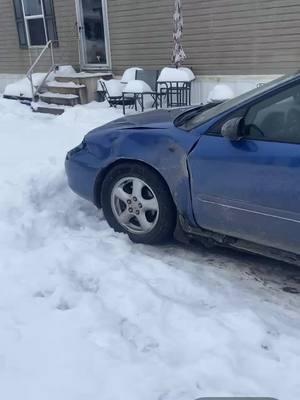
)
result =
(225, 40)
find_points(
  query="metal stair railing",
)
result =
(35, 90)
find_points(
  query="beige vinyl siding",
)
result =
(12, 59)
(15, 60)
(220, 36)
(140, 33)
(67, 52)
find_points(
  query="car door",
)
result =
(250, 188)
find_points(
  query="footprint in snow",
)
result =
(43, 293)
(133, 334)
(63, 305)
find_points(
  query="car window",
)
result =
(276, 118)
(205, 116)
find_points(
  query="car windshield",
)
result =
(208, 114)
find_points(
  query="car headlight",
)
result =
(76, 149)
(80, 147)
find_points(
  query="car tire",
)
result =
(136, 201)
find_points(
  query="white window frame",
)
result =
(30, 17)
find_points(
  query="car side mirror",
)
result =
(232, 129)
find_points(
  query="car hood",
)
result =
(150, 119)
(135, 136)
(153, 120)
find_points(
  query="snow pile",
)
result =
(181, 74)
(220, 92)
(137, 86)
(22, 88)
(65, 70)
(85, 314)
(189, 73)
(129, 74)
(113, 86)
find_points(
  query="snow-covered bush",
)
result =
(22, 87)
(220, 92)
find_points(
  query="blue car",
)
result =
(226, 174)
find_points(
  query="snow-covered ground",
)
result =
(87, 315)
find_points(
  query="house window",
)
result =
(35, 22)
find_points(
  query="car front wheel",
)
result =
(136, 201)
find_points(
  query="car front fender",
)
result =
(164, 152)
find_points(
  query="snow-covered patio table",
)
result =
(176, 86)
(141, 92)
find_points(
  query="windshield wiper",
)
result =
(186, 116)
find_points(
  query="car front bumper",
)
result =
(82, 169)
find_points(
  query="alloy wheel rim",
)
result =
(134, 205)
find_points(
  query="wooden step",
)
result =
(80, 77)
(87, 79)
(44, 108)
(68, 88)
(60, 99)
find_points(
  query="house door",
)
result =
(93, 31)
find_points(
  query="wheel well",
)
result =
(104, 172)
